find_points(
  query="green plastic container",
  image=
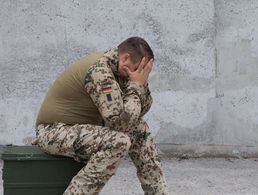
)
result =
(28, 170)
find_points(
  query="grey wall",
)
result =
(205, 79)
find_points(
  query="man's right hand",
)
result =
(142, 73)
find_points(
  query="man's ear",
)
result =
(125, 57)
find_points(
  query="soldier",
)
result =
(94, 113)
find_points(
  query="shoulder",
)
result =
(99, 71)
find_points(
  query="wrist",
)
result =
(138, 82)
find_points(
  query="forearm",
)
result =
(147, 101)
(129, 109)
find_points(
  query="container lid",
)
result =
(27, 153)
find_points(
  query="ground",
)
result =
(202, 176)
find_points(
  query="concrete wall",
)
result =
(204, 83)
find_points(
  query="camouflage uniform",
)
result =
(122, 105)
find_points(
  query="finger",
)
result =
(142, 64)
(149, 65)
(149, 62)
(148, 68)
(127, 70)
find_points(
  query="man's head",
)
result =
(131, 51)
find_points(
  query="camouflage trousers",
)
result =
(102, 149)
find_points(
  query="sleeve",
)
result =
(140, 132)
(119, 111)
(147, 101)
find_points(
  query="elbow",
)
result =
(122, 122)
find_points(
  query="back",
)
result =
(67, 100)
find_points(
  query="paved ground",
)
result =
(191, 177)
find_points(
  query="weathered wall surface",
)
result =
(204, 81)
(236, 105)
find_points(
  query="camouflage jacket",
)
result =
(121, 103)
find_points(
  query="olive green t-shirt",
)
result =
(67, 100)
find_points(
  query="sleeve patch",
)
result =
(109, 97)
(107, 88)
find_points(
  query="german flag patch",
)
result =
(107, 89)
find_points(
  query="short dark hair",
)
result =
(137, 48)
